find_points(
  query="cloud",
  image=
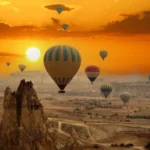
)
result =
(55, 21)
(29, 31)
(15, 9)
(54, 6)
(10, 55)
(7, 7)
(23, 31)
(4, 26)
(131, 24)
(146, 13)
(4, 3)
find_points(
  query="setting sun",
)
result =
(33, 54)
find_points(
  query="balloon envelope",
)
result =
(65, 26)
(103, 54)
(22, 67)
(59, 9)
(106, 90)
(62, 62)
(125, 96)
(8, 64)
(92, 72)
(149, 76)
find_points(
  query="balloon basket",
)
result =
(61, 91)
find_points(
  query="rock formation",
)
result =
(73, 143)
(23, 125)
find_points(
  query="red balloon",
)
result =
(92, 72)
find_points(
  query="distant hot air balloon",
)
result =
(59, 9)
(65, 26)
(103, 54)
(106, 90)
(8, 64)
(125, 96)
(22, 67)
(92, 72)
(149, 76)
(62, 62)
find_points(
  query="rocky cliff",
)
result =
(24, 126)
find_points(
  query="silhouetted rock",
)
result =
(129, 145)
(24, 126)
(122, 145)
(147, 146)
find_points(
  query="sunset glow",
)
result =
(118, 26)
(33, 54)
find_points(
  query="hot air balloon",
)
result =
(22, 67)
(8, 64)
(149, 76)
(62, 62)
(125, 96)
(103, 54)
(106, 90)
(59, 9)
(65, 26)
(92, 72)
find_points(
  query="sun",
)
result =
(33, 53)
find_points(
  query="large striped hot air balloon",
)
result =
(62, 62)
(92, 72)
(106, 90)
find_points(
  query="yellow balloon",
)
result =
(62, 63)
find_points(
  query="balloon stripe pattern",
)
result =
(62, 52)
(106, 90)
(92, 73)
(62, 81)
(62, 62)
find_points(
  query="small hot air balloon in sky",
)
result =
(125, 96)
(8, 64)
(62, 62)
(149, 76)
(22, 67)
(65, 26)
(103, 54)
(59, 9)
(106, 90)
(92, 72)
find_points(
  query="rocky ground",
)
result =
(48, 121)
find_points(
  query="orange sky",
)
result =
(122, 27)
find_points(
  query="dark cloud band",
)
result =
(54, 6)
(130, 24)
